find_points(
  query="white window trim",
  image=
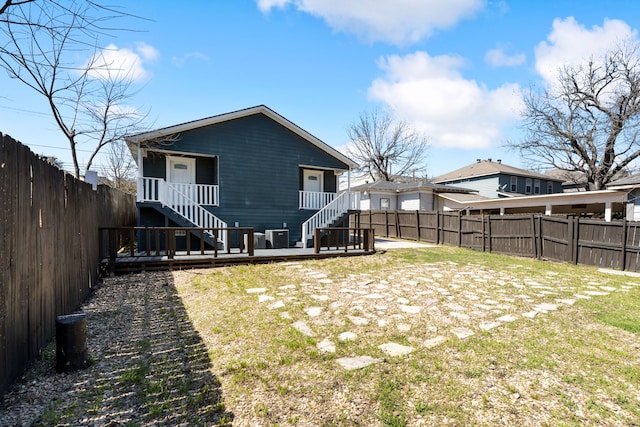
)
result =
(528, 184)
(514, 184)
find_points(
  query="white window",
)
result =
(384, 203)
(536, 186)
(527, 186)
(514, 184)
(549, 187)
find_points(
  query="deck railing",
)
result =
(337, 238)
(314, 199)
(325, 216)
(147, 242)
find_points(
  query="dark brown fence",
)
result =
(613, 244)
(48, 249)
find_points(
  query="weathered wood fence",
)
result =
(48, 249)
(613, 244)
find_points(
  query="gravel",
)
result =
(149, 367)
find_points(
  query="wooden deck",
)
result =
(158, 258)
(181, 261)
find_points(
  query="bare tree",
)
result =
(44, 40)
(588, 122)
(120, 169)
(385, 148)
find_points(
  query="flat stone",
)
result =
(285, 287)
(303, 328)
(359, 321)
(373, 296)
(545, 307)
(433, 342)
(459, 316)
(256, 290)
(347, 336)
(285, 315)
(320, 297)
(394, 349)
(326, 346)
(380, 307)
(487, 326)
(566, 301)
(579, 296)
(530, 314)
(276, 305)
(410, 309)
(359, 362)
(313, 311)
(608, 288)
(403, 301)
(596, 293)
(265, 298)
(403, 327)
(507, 318)
(462, 333)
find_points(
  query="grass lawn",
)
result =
(573, 360)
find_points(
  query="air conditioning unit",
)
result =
(277, 239)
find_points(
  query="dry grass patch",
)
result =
(574, 365)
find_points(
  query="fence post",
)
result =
(624, 244)
(437, 227)
(489, 232)
(540, 246)
(418, 225)
(533, 236)
(398, 228)
(576, 240)
(459, 229)
(483, 235)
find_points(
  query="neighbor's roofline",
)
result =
(183, 127)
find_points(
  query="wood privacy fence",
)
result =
(48, 249)
(581, 241)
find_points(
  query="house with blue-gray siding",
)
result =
(494, 179)
(247, 168)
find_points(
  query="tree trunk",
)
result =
(71, 342)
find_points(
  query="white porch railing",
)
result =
(186, 201)
(151, 190)
(314, 199)
(326, 216)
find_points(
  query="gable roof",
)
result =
(632, 181)
(488, 168)
(401, 187)
(259, 109)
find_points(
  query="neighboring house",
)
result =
(247, 168)
(631, 187)
(571, 180)
(387, 195)
(497, 180)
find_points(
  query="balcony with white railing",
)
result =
(315, 200)
(158, 190)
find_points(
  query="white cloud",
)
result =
(267, 5)
(452, 111)
(395, 21)
(123, 63)
(571, 43)
(499, 58)
(179, 61)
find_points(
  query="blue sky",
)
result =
(454, 69)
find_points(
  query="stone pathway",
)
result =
(424, 304)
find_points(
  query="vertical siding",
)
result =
(259, 171)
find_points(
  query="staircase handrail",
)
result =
(325, 216)
(190, 210)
